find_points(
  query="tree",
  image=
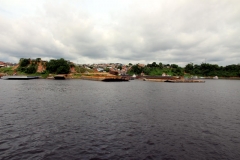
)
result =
(179, 71)
(174, 66)
(24, 62)
(38, 59)
(107, 69)
(119, 67)
(146, 70)
(160, 65)
(136, 69)
(189, 68)
(149, 65)
(59, 66)
(31, 69)
(166, 65)
(62, 70)
(154, 64)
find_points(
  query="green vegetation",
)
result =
(26, 66)
(38, 59)
(157, 69)
(59, 66)
(205, 69)
(29, 67)
(24, 62)
(107, 69)
(7, 70)
(80, 69)
(78, 75)
(119, 67)
(43, 74)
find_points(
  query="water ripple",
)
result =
(78, 119)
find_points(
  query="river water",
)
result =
(80, 119)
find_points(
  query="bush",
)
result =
(59, 66)
(24, 62)
(21, 69)
(31, 69)
(7, 70)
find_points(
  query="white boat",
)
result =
(215, 77)
(19, 77)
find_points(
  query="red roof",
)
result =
(2, 63)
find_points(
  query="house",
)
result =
(100, 69)
(123, 71)
(141, 65)
(2, 64)
(114, 72)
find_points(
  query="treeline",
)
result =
(61, 66)
(58, 66)
(205, 69)
(27, 65)
(54, 66)
(157, 69)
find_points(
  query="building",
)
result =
(2, 64)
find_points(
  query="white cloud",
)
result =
(121, 31)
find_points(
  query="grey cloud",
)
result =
(170, 32)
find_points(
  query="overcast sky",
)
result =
(123, 31)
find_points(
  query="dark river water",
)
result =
(80, 119)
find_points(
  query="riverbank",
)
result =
(101, 76)
(230, 78)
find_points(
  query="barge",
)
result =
(185, 81)
(19, 77)
(115, 80)
(59, 77)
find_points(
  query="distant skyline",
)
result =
(126, 31)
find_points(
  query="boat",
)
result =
(19, 77)
(185, 81)
(115, 80)
(134, 76)
(59, 77)
(215, 77)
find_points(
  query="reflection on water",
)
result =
(77, 119)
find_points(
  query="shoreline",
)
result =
(102, 76)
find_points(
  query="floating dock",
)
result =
(115, 80)
(59, 77)
(19, 77)
(185, 81)
(171, 79)
(106, 78)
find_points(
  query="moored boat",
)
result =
(185, 81)
(215, 77)
(59, 77)
(19, 77)
(115, 80)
